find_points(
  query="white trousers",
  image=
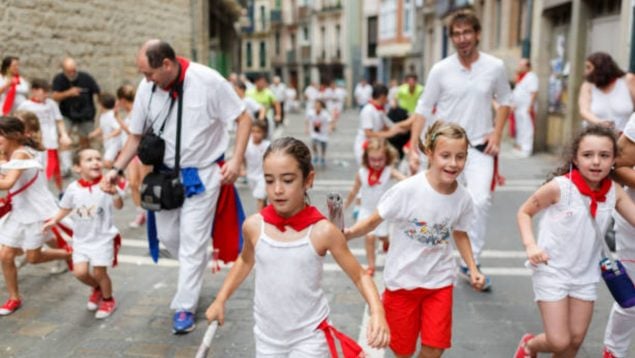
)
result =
(621, 325)
(186, 233)
(524, 130)
(477, 177)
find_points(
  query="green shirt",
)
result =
(407, 100)
(264, 97)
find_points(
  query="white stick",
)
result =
(203, 349)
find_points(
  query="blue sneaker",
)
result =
(464, 273)
(355, 213)
(183, 322)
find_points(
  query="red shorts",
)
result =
(409, 312)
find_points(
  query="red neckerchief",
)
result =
(519, 76)
(89, 183)
(596, 196)
(374, 175)
(184, 64)
(10, 98)
(35, 100)
(300, 221)
(377, 106)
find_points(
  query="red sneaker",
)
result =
(106, 308)
(521, 350)
(10, 306)
(93, 300)
(607, 354)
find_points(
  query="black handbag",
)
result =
(161, 189)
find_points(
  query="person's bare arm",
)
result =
(353, 193)
(545, 196)
(231, 169)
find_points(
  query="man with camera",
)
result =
(181, 97)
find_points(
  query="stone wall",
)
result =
(102, 35)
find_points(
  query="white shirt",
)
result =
(363, 93)
(615, 106)
(370, 195)
(252, 107)
(567, 235)
(465, 96)
(209, 105)
(48, 113)
(108, 124)
(254, 157)
(521, 96)
(319, 124)
(21, 92)
(373, 119)
(420, 254)
(279, 91)
(311, 94)
(92, 214)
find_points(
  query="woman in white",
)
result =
(607, 96)
(14, 89)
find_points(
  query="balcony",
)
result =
(331, 8)
(276, 17)
(304, 12)
(291, 57)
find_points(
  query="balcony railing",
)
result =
(291, 56)
(276, 17)
(305, 53)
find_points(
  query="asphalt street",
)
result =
(54, 322)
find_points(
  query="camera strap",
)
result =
(179, 115)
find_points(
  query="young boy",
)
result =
(95, 238)
(109, 129)
(253, 158)
(52, 127)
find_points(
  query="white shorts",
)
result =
(22, 236)
(314, 346)
(101, 255)
(110, 152)
(547, 289)
(257, 187)
(381, 230)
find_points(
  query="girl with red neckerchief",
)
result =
(286, 243)
(31, 204)
(566, 257)
(95, 238)
(373, 179)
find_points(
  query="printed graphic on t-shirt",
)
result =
(435, 235)
(88, 213)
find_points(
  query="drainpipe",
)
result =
(631, 65)
(526, 46)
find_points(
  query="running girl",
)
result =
(287, 242)
(319, 126)
(374, 178)
(32, 203)
(256, 148)
(426, 210)
(566, 257)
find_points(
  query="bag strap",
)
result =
(179, 115)
(26, 186)
(606, 251)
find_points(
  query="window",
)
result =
(277, 42)
(323, 38)
(371, 51)
(305, 34)
(263, 18)
(408, 17)
(388, 20)
(249, 54)
(263, 54)
(338, 53)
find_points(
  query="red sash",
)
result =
(11, 92)
(53, 166)
(350, 348)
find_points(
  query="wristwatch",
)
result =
(119, 171)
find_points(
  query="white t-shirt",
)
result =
(252, 106)
(373, 119)
(108, 124)
(311, 94)
(48, 113)
(319, 124)
(420, 254)
(363, 94)
(521, 96)
(92, 214)
(465, 96)
(279, 91)
(615, 106)
(209, 105)
(21, 92)
(253, 158)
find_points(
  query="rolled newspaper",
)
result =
(335, 204)
(203, 349)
